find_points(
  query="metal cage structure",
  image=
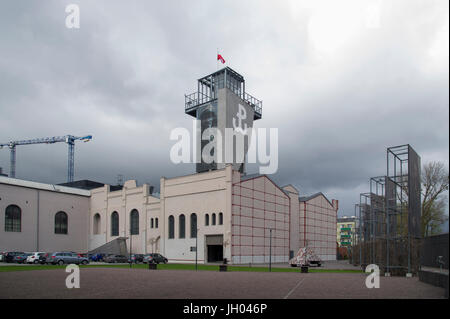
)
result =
(208, 87)
(389, 215)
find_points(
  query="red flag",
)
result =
(220, 58)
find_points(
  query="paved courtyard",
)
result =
(144, 283)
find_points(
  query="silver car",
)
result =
(62, 258)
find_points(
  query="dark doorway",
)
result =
(215, 253)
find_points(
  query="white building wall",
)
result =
(39, 204)
(203, 193)
(123, 202)
(250, 208)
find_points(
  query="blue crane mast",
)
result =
(69, 139)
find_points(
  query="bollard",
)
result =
(304, 269)
(222, 267)
(152, 266)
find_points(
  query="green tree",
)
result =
(435, 180)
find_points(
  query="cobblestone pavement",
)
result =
(145, 283)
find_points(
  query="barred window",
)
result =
(156, 222)
(171, 227)
(193, 225)
(61, 223)
(97, 224)
(114, 224)
(134, 222)
(182, 226)
(13, 218)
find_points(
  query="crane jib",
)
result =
(69, 139)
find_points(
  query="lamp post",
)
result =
(131, 244)
(196, 247)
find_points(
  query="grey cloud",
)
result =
(121, 77)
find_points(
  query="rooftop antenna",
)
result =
(120, 179)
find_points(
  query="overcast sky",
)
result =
(341, 80)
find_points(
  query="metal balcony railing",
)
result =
(193, 100)
(254, 103)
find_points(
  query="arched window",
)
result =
(156, 222)
(151, 223)
(207, 220)
(213, 222)
(61, 223)
(182, 226)
(13, 218)
(171, 227)
(97, 224)
(114, 224)
(193, 225)
(134, 222)
(220, 219)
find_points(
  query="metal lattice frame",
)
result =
(389, 215)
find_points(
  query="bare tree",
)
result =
(435, 180)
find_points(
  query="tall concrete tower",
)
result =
(221, 103)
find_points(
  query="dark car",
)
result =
(43, 258)
(21, 258)
(116, 259)
(62, 258)
(97, 257)
(155, 258)
(136, 258)
(9, 256)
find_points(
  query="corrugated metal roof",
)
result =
(42, 186)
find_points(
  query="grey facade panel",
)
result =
(414, 218)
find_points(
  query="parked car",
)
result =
(21, 258)
(2, 256)
(33, 258)
(96, 257)
(136, 258)
(43, 258)
(9, 256)
(116, 259)
(155, 258)
(62, 258)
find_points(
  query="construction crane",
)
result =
(69, 139)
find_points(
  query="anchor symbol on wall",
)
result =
(241, 115)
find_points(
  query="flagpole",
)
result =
(217, 59)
